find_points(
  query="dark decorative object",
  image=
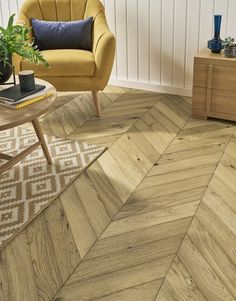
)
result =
(216, 43)
(230, 51)
(5, 70)
(26, 79)
(229, 47)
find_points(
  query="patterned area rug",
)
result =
(28, 187)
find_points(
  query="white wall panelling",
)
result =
(157, 39)
(162, 37)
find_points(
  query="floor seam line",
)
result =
(176, 254)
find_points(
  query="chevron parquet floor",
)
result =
(157, 211)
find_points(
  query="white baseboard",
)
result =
(151, 87)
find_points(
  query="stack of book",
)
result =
(14, 98)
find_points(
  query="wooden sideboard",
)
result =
(214, 86)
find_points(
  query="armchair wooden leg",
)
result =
(97, 102)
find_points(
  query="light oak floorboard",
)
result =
(152, 218)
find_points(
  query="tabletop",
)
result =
(10, 118)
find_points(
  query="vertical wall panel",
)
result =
(5, 11)
(132, 39)
(13, 6)
(143, 38)
(221, 7)
(167, 42)
(206, 18)
(1, 14)
(121, 35)
(231, 28)
(192, 40)
(157, 39)
(179, 44)
(110, 8)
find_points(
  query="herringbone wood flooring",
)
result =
(153, 219)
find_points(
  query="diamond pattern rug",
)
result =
(28, 187)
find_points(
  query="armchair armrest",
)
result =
(103, 49)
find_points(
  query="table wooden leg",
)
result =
(39, 133)
(5, 157)
(13, 160)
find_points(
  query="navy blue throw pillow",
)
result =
(63, 35)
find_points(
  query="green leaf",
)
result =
(10, 21)
(16, 39)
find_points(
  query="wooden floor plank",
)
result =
(117, 176)
(127, 258)
(136, 206)
(152, 137)
(62, 239)
(141, 292)
(130, 159)
(218, 225)
(202, 273)
(46, 268)
(151, 218)
(219, 260)
(92, 205)
(114, 282)
(74, 109)
(107, 194)
(140, 140)
(115, 231)
(81, 228)
(179, 285)
(172, 112)
(138, 237)
(16, 272)
(176, 186)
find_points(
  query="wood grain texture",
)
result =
(214, 86)
(179, 285)
(115, 282)
(146, 291)
(207, 254)
(202, 273)
(53, 250)
(72, 110)
(152, 218)
(16, 271)
(159, 211)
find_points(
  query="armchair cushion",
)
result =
(63, 62)
(63, 35)
(77, 75)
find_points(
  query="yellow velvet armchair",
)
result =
(72, 69)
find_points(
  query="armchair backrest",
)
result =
(60, 10)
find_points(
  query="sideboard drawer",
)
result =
(224, 78)
(221, 101)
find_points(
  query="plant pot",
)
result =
(230, 51)
(5, 71)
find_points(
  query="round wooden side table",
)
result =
(10, 118)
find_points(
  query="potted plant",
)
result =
(16, 39)
(229, 47)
